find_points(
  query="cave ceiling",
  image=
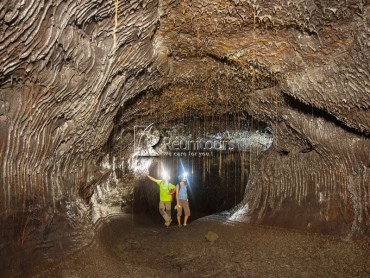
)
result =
(72, 71)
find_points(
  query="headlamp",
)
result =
(165, 175)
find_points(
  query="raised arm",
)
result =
(152, 179)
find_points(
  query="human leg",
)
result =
(162, 211)
(179, 213)
(168, 209)
(185, 205)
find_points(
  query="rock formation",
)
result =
(76, 76)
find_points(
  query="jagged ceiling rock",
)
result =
(319, 48)
(72, 70)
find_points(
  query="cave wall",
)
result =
(66, 69)
(306, 68)
(69, 69)
(315, 177)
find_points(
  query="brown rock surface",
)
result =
(76, 74)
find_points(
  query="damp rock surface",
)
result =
(76, 77)
(140, 246)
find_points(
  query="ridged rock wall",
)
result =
(69, 68)
(305, 67)
(66, 69)
(316, 175)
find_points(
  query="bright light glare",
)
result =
(165, 175)
(185, 175)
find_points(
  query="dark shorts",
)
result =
(184, 205)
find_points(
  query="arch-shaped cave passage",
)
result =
(211, 188)
(218, 170)
(196, 112)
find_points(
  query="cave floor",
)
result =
(139, 246)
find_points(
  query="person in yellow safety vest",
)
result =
(166, 189)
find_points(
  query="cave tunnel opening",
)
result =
(202, 128)
(218, 171)
(214, 184)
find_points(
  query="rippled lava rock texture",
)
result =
(72, 73)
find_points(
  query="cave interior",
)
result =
(265, 105)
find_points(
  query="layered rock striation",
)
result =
(77, 74)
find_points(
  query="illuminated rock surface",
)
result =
(76, 77)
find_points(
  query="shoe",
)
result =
(168, 223)
(180, 225)
(184, 225)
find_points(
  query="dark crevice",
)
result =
(307, 150)
(223, 59)
(155, 30)
(255, 66)
(86, 190)
(265, 78)
(318, 112)
(284, 153)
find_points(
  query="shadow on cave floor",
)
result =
(140, 246)
(156, 220)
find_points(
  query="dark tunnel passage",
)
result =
(211, 188)
(218, 170)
